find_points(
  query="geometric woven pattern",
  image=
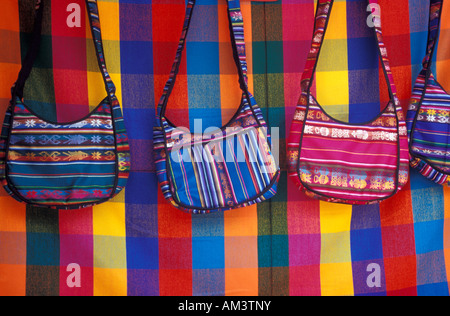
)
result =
(429, 113)
(336, 161)
(137, 243)
(227, 168)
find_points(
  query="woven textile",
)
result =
(76, 164)
(228, 168)
(340, 162)
(138, 244)
(64, 165)
(428, 113)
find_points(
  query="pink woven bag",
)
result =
(343, 162)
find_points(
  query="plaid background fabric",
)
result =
(291, 245)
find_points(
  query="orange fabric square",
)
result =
(241, 282)
(12, 280)
(12, 214)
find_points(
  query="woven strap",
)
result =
(322, 17)
(433, 31)
(236, 25)
(92, 7)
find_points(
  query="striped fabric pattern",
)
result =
(344, 162)
(428, 116)
(137, 243)
(230, 168)
(355, 163)
(54, 164)
(70, 165)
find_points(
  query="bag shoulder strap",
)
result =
(433, 32)
(322, 18)
(236, 25)
(27, 65)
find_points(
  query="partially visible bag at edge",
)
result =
(428, 117)
(229, 168)
(68, 165)
(344, 162)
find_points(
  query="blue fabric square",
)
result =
(208, 253)
(142, 219)
(136, 21)
(419, 48)
(139, 123)
(208, 282)
(364, 87)
(363, 112)
(437, 289)
(366, 244)
(208, 225)
(43, 249)
(362, 53)
(357, 10)
(136, 57)
(431, 268)
(142, 188)
(143, 282)
(203, 58)
(276, 247)
(418, 16)
(131, 98)
(365, 216)
(142, 253)
(429, 236)
(204, 23)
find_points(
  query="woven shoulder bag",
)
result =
(226, 169)
(428, 116)
(343, 162)
(68, 165)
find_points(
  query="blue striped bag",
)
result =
(229, 168)
(68, 165)
(428, 116)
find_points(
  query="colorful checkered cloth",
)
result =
(138, 244)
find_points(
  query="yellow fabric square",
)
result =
(333, 56)
(332, 88)
(110, 24)
(110, 282)
(337, 25)
(335, 218)
(110, 252)
(336, 279)
(335, 248)
(109, 219)
(112, 56)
